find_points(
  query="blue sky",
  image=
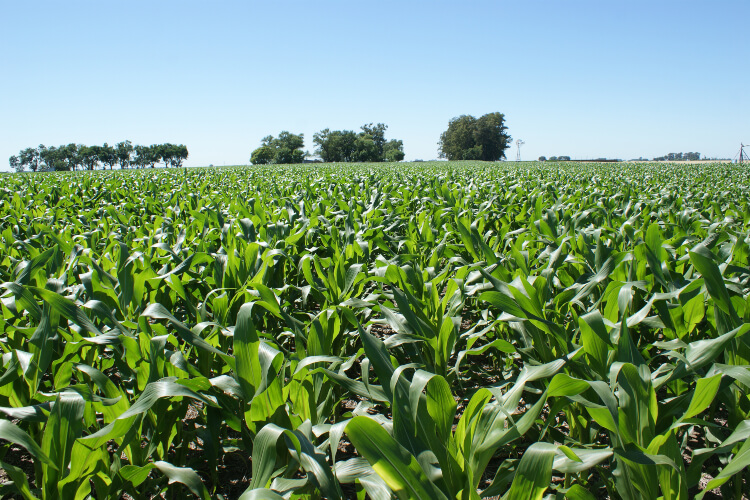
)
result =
(579, 78)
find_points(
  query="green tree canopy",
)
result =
(177, 154)
(147, 155)
(262, 155)
(287, 148)
(73, 156)
(369, 145)
(108, 155)
(124, 152)
(335, 145)
(469, 138)
(394, 150)
(15, 164)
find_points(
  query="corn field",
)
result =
(413, 331)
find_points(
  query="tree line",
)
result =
(679, 157)
(79, 156)
(467, 138)
(368, 145)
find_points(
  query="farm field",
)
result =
(447, 330)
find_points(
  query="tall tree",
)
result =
(89, 156)
(72, 155)
(15, 163)
(491, 135)
(335, 145)
(366, 149)
(30, 157)
(164, 151)
(457, 143)
(124, 152)
(142, 156)
(262, 155)
(147, 155)
(468, 138)
(53, 158)
(393, 150)
(377, 133)
(108, 155)
(43, 157)
(176, 154)
(286, 148)
(369, 145)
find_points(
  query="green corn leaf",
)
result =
(578, 492)
(704, 394)
(246, 344)
(703, 261)
(14, 434)
(534, 472)
(184, 475)
(736, 465)
(260, 494)
(63, 426)
(396, 466)
(20, 481)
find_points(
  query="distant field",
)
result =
(414, 330)
(688, 162)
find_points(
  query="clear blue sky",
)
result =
(578, 78)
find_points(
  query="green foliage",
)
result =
(393, 150)
(369, 145)
(427, 330)
(469, 138)
(15, 164)
(263, 155)
(73, 156)
(124, 152)
(284, 149)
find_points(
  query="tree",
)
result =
(288, 148)
(262, 155)
(491, 135)
(147, 155)
(179, 154)
(394, 150)
(53, 158)
(542, 158)
(43, 158)
(335, 145)
(164, 151)
(366, 149)
(141, 158)
(468, 138)
(15, 164)
(124, 152)
(377, 133)
(29, 157)
(457, 143)
(369, 145)
(108, 155)
(71, 152)
(284, 149)
(89, 156)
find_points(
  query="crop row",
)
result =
(440, 330)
